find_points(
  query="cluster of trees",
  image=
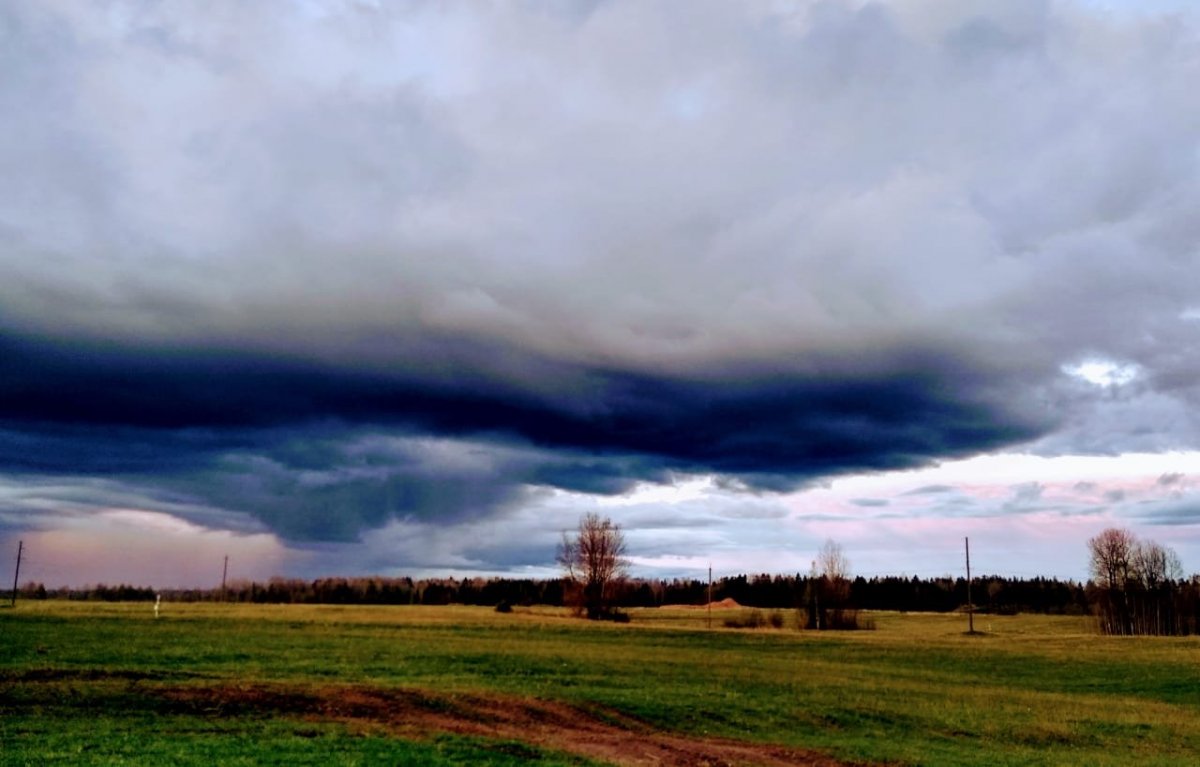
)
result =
(1138, 586)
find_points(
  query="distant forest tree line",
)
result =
(1136, 588)
(994, 594)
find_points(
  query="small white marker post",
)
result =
(157, 600)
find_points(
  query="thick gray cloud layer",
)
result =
(296, 261)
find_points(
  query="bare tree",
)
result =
(1111, 561)
(828, 593)
(835, 571)
(1157, 569)
(594, 561)
(1112, 567)
(1155, 564)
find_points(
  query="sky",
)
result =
(343, 288)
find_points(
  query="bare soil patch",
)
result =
(595, 733)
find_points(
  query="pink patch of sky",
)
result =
(1026, 515)
(141, 548)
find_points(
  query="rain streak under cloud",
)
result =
(344, 287)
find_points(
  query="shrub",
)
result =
(752, 620)
(848, 620)
(839, 619)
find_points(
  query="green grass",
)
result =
(1031, 690)
(108, 739)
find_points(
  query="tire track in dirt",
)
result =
(595, 733)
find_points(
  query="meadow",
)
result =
(106, 683)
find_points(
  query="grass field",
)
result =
(100, 683)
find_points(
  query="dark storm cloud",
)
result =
(241, 431)
(745, 422)
(340, 501)
(331, 265)
(512, 554)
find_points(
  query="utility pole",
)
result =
(816, 587)
(710, 594)
(970, 604)
(17, 574)
(224, 572)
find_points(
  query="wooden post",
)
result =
(224, 572)
(970, 605)
(17, 574)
